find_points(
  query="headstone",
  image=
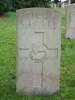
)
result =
(69, 1)
(70, 10)
(38, 51)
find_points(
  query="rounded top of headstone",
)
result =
(36, 9)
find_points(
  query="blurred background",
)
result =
(12, 5)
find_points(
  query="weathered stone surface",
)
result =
(70, 10)
(38, 50)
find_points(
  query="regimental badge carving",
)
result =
(38, 55)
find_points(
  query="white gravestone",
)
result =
(70, 32)
(38, 51)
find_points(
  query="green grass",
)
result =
(8, 63)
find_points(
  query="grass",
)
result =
(8, 63)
